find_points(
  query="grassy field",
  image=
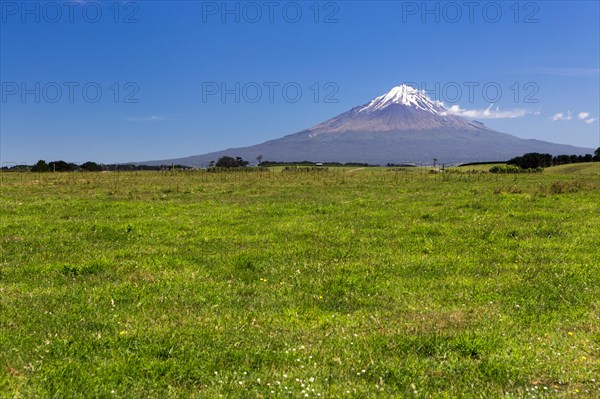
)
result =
(365, 284)
(588, 168)
(476, 168)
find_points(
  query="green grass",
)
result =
(368, 284)
(587, 168)
(477, 168)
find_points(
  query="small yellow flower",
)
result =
(570, 333)
(122, 332)
(320, 296)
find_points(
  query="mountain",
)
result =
(401, 126)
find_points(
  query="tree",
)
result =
(226, 162)
(533, 160)
(259, 158)
(597, 155)
(229, 162)
(40, 166)
(62, 166)
(562, 160)
(91, 166)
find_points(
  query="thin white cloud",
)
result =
(489, 112)
(583, 115)
(562, 117)
(153, 118)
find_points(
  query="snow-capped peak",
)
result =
(405, 95)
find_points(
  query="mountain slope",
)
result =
(403, 125)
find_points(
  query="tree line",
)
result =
(63, 166)
(535, 160)
(532, 160)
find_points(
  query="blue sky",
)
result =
(118, 81)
